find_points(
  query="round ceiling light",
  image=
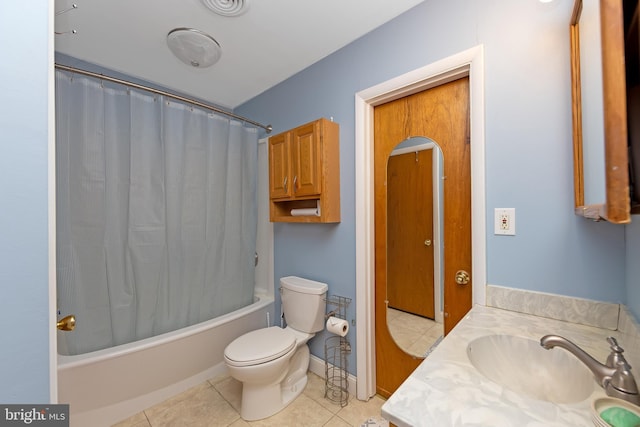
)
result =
(193, 47)
(227, 7)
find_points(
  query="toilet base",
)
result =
(260, 401)
(273, 399)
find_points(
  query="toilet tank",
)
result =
(303, 303)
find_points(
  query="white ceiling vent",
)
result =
(227, 7)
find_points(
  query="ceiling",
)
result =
(270, 42)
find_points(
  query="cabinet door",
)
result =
(307, 160)
(279, 166)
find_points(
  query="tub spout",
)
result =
(617, 381)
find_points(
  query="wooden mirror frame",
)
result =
(616, 208)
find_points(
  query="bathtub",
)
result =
(106, 386)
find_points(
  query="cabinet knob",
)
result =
(284, 184)
(295, 181)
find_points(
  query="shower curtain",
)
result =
(156, 213)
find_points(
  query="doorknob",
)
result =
(462, 277)
(427, 242)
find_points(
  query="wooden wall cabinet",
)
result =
(304, 173)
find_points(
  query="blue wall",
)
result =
(24, 305)
(528, 145)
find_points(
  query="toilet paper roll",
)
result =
(337, 326)
(305, 212)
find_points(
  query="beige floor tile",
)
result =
(436, 332)
(423, 344)
(137, 420)
(303, 411)
(405, 316)
(240, 423)
(231, 390)
(186, 395)
(414, 334)
(218, 378)
(315, 390)
(357, 411)
(420, 347)
(414, 323)
(336, 421)
(218, 405)
(392, 313)
(207, 408)
(404, 337)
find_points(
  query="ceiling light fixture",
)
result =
(227, 7)
(193, 47)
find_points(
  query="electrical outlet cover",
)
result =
(505, 221)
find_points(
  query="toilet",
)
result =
(272, 362)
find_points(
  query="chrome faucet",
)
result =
(614, 377)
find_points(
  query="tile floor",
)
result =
(415, 334)
(216, 403)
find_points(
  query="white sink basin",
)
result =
(523, 366)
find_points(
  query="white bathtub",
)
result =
(106, 386)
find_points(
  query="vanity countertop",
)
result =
(446, 390)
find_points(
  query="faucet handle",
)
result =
(614, 345)
(623, 380)
(615, 356)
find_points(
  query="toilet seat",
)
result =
(260, 346)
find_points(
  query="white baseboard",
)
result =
(316, 365)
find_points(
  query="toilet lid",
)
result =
(260, 346)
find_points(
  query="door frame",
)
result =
(467, 63)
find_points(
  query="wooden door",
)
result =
(410, 246)
(306, 160)
(441, 114)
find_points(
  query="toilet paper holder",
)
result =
(340, 303)
(337, 322)
(336, 350)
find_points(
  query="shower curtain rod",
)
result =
(268, 128)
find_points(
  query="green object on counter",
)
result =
(620, 417)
